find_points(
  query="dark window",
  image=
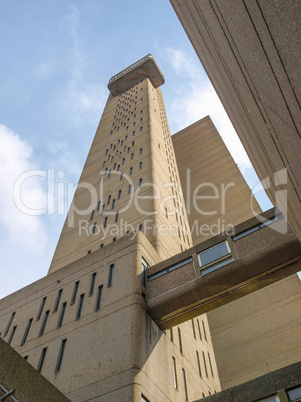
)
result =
(140, 165)
(210, 364)
(92, 214)
(44, 323)
(63, 309)
(180, 340)
(98, 205)
(58, 299)
(192, 322)
(175, 379)
(93, 230)
(41, 361)
(131, 170)
(185, 385)
(140, 182)
(75, 292)
(141, 150)
(105, 222)
(119, 194)
(204, 329)
(92, 285)
(99, 294)
(61, 355)
(171, 334)
(205, 365)
(132, 156)
(111, 273)
(12, 334)
(26, 331)
(140, 226)
(102, 210)
(199, 363)
(41, 308)
(121, 176)
(116, 216)
(199, 328)
(113, 203)
(80, 306)
(9, 323)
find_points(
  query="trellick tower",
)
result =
(85, 326)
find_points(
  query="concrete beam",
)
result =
(261, 251)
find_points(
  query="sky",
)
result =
(56, 60)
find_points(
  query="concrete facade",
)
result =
(251, 52)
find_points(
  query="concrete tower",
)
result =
(85, 326)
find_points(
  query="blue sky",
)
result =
(57, 58)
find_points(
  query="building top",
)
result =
(130, 76)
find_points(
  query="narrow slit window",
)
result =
(199, 328)
(98, 205)
(113, 203)
(210, 364)
(130, 188)
(76, 285)
(60, 356)
(99, 295)
(105, 222)
(193, 328)
(9, 323)
(80, 306)
(132, 156)
(92, 285)
(43, 326)
(174, 367)
(119, 194)
(180, 340)
(42, 359)
(58, 299)
(185, 385)
(141, 150)
(61, 318)
(140, 166)
(199, 363)
(205, 364)
(131, 170)
(41, 308)
(12, 335)
(26, 331)
(111, 273)
(140, 182)
(204, 329)
(116, 216)
(92, 215)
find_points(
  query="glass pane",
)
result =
(217, 266)
(213, 253)
(294, 394)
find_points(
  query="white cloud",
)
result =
(196, 98)
(25, 231)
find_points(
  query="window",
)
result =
(10, 322)
(185, 385)
(41, 361)
(26, 331)
(294, 394)
(57, 302)
(100, 177)
(132, 156)
(193, 328)
(204, 329)
(205, 365)
(131, 170)
(123, 160)
(116, 216)
(111, 273)
(93, 230)
(41, 308)
(75, 292)
(99, 294)
(63, 309)
(140, 166)
(113, 203)
(44, 323)
(98, 205)
(130, 188)
(210, 364)
(60, 356)
(103, 209)
(92, 285)
(141, 150)
(215, 257)
(180, 340)
(199, 328)
(121, 176)
(140, 182)
(80, 306)
(171, 334)
(129, 150)
(199, 363)
(175, 379)
(133, 133)
(140, 227)
(105, 222)
(119, 194)
(143, 399)
(114, 239)
(141, 128)
(133, 143)
(12, 334)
